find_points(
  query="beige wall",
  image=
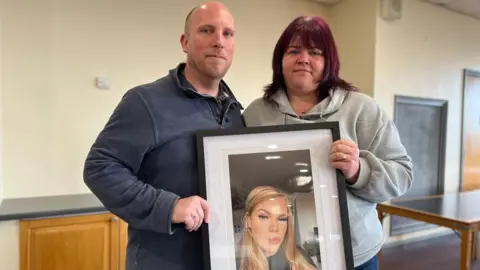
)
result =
(1, 107)
(9, 245)
(53, 52)
(353, 24)
(423, 55)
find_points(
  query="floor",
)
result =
(441, 253)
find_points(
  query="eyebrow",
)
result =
(261, 209)
(281, 215)
(297, 47)
(213, 26)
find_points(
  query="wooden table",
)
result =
(459, 212)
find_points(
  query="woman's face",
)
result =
(302, 68)
(268, 224)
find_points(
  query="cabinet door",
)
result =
(79, 242)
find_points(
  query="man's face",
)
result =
(209, 41)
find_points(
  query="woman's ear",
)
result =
(248, 222)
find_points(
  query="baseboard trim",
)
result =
(417, 236)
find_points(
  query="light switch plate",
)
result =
(102, 83)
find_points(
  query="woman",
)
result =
(306, 87)
(268, 241)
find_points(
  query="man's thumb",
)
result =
(206, 210)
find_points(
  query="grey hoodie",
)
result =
(385, 168)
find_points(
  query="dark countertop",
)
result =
(49, 206)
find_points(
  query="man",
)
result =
(143, 165)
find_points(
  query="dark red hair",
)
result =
(312, 32)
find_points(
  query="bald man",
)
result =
(143, 164)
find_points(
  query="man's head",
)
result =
(208, 40)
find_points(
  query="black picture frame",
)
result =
(228, 153)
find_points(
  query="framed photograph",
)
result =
(276, 201)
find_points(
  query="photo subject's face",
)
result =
(269, 224)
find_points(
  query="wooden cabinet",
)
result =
(86, 242)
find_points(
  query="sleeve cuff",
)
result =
(165, 205)
(363, 176)
(171, 229)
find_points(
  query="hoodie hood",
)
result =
(326, 107)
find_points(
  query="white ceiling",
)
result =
(467, 7)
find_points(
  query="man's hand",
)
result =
(192, 211)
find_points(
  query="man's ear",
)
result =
(184, 42)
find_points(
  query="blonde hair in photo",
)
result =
(252, 257)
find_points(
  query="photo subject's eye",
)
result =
(262, 217)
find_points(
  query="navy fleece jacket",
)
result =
(146, 157)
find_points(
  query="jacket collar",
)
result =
(184, 85)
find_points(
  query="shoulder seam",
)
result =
(150, 114)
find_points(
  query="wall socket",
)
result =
(102, 83)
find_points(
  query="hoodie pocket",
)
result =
(358, 212)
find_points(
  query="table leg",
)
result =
(466, 251)
(474, 245)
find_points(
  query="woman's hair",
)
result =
(253, 257)
(312, 32)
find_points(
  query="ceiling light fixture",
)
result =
(272, 157)
(301, 164)
(303, 180)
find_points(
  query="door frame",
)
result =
(443, 105)
(434, 102)
(467, 73)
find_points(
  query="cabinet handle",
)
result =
(115, 219)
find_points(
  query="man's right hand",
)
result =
(192, 211)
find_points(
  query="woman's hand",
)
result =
(344, 155)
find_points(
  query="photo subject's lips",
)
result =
(275, 240)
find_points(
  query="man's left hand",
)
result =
(344, 155)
